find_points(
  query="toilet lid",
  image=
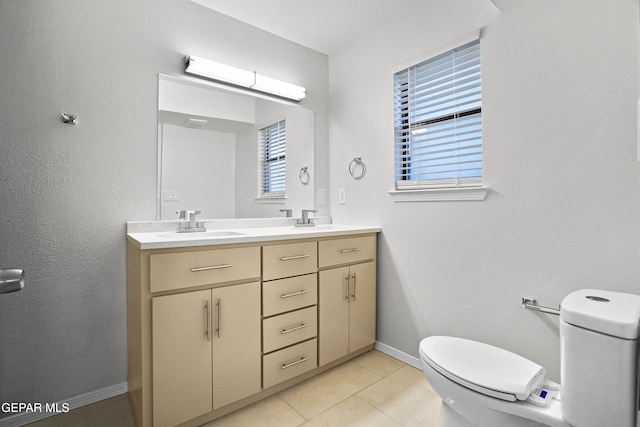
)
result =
(481, 367)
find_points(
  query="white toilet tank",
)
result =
(599, 357)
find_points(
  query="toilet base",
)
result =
(450, 417)
(462, 407)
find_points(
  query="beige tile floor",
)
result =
(371, 390)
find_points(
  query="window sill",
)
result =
(440, 194)
(277, 200)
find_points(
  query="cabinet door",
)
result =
(333, 325)
(362, 292)
(236, 343)
(182, 387)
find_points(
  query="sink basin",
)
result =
(198, 235)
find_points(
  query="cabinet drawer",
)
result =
(289, 294)
(346, 251)
(292, 259)
(289, 362)
(286, 329)
(186, 269)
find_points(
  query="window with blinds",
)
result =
(438, 121)
(272, 160)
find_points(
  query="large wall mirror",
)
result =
(208, 151)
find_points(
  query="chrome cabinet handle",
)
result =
(207, 320)
(346, 251)
(289, 258)
(293, 294)
(353, 295)
(288, 365)
(348, 287)
(301, 326)
(213, 267)
(219, 307)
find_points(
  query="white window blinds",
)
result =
(438, 121)
(272, 160)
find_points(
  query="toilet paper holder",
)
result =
(530, 304)
(11, 280)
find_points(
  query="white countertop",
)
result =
(217, 236)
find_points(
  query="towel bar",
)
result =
(530, 304)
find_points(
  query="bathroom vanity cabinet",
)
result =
(205, 351)
(216, 327)
(290, 324)
(347, 295)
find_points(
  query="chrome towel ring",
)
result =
(353, 167)
(304, 175)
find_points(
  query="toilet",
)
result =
(486, 386)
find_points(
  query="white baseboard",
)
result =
(73, 403)
(404, 357)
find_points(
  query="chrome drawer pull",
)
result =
(289, 258)
(301, 326)
(213, 267)
(288, 365)
(293, 294)
(346, 251)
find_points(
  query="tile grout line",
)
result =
(354, 361)
(294, 409)
(355, 394)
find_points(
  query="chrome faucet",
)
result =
(305, 221)
(288, 212)
(192, 219)
(192, 226)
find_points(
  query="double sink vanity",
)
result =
(220, 319)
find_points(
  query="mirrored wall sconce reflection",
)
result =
(304, 175)
(202, 67)
(357, 168)
(70, 119)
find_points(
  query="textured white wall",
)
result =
(559, 124)
(67, 191)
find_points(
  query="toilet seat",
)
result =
(483, 368)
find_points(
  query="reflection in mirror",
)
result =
(208, 151)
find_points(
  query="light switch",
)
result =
(170, 196)
(342, 196)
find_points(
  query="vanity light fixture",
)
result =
(202, 67)
(195, 123)
(279, 88)
(217, 71)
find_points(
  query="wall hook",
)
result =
(69, 119)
